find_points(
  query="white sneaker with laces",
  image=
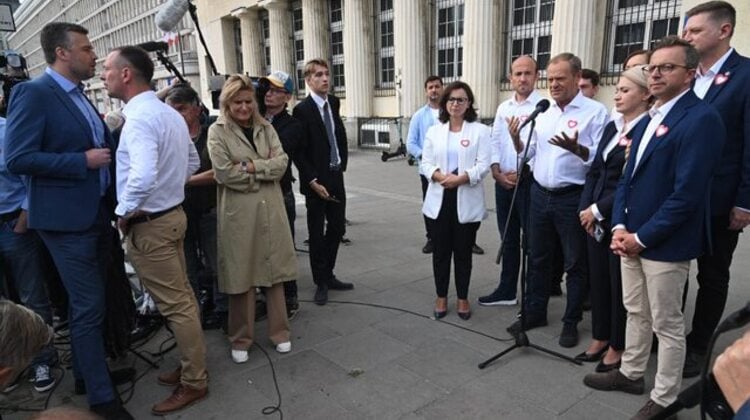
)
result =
(284, 347)
(239, 356)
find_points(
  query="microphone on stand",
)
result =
(154, 46)
(170, 15)
(540, 107)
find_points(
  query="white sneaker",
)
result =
(284, 347)
(239, 356)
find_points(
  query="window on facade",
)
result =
(265, 29)
(384, 49)
(530, 33)
(336, 16)
(236, 29)
(450, 31)
(636, 25)
(299, 46)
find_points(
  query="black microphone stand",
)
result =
(521, 339)
(194, 16)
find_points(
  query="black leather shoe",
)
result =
(118, 377)
(693, 364)
(569, 336)
(111, 411)
(476, 249)
(428, 247)
(464, 315)
(530, 323)
(440, 314)
(602, 367)
(321, 295)
(585, 357)
(336, 284)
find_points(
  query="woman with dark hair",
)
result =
(608, 315)
(255, 246)
(455, 159)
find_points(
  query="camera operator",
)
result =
(732, 373)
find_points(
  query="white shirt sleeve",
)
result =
(144, 157)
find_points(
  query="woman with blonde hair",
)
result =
(255, 247)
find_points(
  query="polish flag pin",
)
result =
(661, 130)
(721, 79)
(572, 123)
(465, 142)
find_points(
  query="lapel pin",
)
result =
(572, 123)
(465, 142)
(662, 130)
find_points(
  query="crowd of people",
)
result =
(619, 200)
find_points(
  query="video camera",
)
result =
(13, 71)
(216, 83)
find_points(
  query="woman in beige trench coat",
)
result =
(255, 247)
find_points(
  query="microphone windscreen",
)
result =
(170, 15)
(542, 105)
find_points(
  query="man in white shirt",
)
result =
(563, 147)
(504, 165)
(723, 80)
(155, 159)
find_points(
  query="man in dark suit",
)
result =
(660, 220)
(722, 80)
(321, 160)
(56, 137)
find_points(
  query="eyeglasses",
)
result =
(662, 68)
(459, 101)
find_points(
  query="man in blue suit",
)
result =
(56, 137)
(722, 80)
(661, 222)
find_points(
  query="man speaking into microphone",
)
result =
(562, 146)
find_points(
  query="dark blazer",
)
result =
(291, 134)
(602, 178)
(313, 155)
(47, 137)
(730, 94)
(665, 200)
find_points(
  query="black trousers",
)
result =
(425, 183)
(608, 315)
(326, 226)
(451, 239)
(713, 284)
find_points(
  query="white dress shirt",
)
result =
(555, 167)
(703, 81)
(155, 157)
(503, 151)
(320, 102)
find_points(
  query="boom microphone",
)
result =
(154, 46)
(170, 15)
(541, 106)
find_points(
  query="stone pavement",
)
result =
(354, 360)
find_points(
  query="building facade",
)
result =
(111, 23)
(382, 50)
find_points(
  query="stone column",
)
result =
(412, 52)
(315, 29)
(358, 55)
(280, 24)
(574, 30)
(252, 38)
(481, 53)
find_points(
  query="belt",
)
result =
(560, 191)
(7, 217)
(149, 217)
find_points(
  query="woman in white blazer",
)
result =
(455, 159)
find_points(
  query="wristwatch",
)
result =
(243, 165)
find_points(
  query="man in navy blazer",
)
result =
(660, 220)
(321, 161)
(722, 80)
(57, 138)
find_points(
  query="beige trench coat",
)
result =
(255, 247)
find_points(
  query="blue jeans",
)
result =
(556, 215)
(82, 265)
(21, 257)
(511, 261)
(200, 254)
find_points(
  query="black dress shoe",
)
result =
(530, 323)
(602, 367)
(464, 315)
(111, 411)
(569, 336)
(321, 295)
(118, 377)
(440, 314)
(336, 284)
(476, 249)
(693, 364)
(428, 247)
(585, 357)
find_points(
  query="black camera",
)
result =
(12, 72)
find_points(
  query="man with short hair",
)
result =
(155, 159)
(424, 118)
(321, 161)
(200, 206)
(505, 165)
(589, 83)
(563, 147)
(660, 220)
(722, 80)
(56, 137)
(279, 92)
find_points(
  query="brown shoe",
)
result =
(182, 397)
(170, 378)
(614, 381)
(650, 410)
